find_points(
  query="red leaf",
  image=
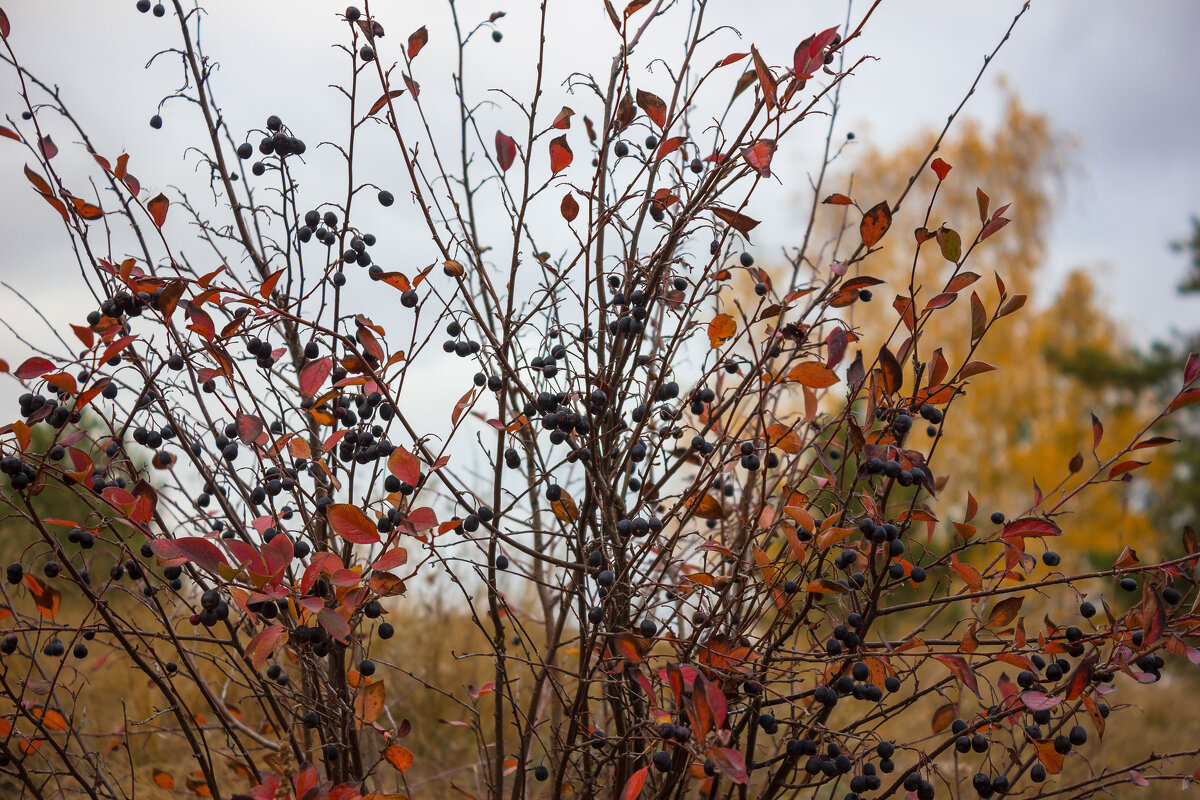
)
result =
(38, 182)
(739, 222)
(669, 146)
(993, 226)
(260, 648)
(563, 120)
(268, 285)
(1124, 467)
(940, 168)
(654, 107)
(1191, 369)
(1030, 527)
(313, 376)
(836, 199)
(396, 557)
(48, 147)
(417, 40)
(731, 763)
(351, 523)
(383, 100)
(1097, 432)
(33, 368)
(941, 301)
(893, 373)
(765, 79)
(421, 519)
(634, 6)
(961, 671)
(506, 150)
(633, 786)
(810, 54)
(625, 113)
(404, 465)
(11, 134)
(758, 156)
(196, 549)
(4, 26)
(732, 58)
(875, 224)
(1039, 701)
(560, 154)
(158, 209)
(249, 427)
(1184, 399)
(333, 622)
(972, 368)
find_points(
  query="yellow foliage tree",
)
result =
(1043, 418)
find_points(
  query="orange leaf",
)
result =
(369, 702)
(383, 100)
(721, 329)
(1051, 759)
(164, 779)
(785, 438)
(351, 523)
(758, 156)
(813, 375)
(463, 403)
(943, 717)
(633, 786)
(158, 209)
(875, 224)
(560, 154)
(399, 757)
(46, 598)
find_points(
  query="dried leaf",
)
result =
(1005, 612)
(654, 107)
(569, 208)
(875, 224)
(418, 39)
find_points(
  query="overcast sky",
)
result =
(1118, 76)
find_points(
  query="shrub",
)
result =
(692, 511)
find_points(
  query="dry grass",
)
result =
(430, 649)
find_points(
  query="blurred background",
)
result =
(1086, 122)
